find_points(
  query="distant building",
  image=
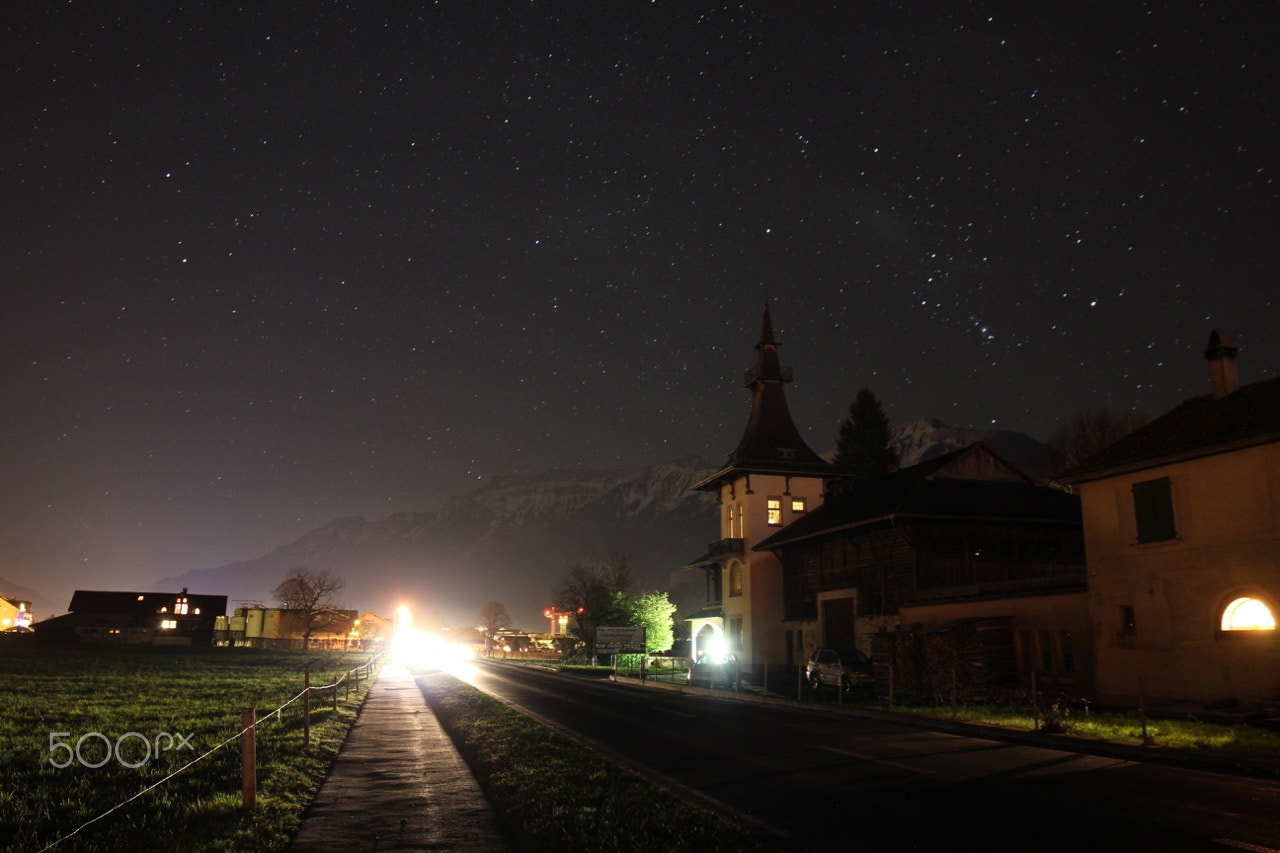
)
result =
(276, 628)
(136, 618)
(1182, 531)
(14, 613)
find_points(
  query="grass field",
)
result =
(68, 708)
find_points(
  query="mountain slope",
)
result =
(927, 438)
(510, 541)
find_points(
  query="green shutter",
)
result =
(1153, 510)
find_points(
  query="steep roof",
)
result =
(116, 601)
(1199, 426)
(771, 443)
(948, 488)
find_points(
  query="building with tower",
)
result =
(812, 557)
(769, 480)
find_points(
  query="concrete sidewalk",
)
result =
(398, 783)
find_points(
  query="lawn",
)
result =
(85, 729)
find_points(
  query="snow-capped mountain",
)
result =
(515, 538)
(927, 438)
(511, 540)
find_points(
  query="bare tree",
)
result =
(311, 594)
(1086, 433)
(493, 618)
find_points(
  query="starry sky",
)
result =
(264, 265)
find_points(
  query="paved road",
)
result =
(815, 776)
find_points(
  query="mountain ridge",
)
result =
(515, 537)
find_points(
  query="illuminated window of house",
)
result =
(735, 579)
(180, 606)
(1248, 614)
(168, 624)
(797, 504)
(1153, 510)
(774, 506)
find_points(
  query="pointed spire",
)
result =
(766, 328)
(767, 366)
(771, 438)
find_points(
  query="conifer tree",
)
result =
(863, 447)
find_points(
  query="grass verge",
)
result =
(1236, 742)
(73, 706)
(551, 793)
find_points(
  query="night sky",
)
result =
(264, 267)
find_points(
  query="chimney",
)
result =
(1223, 373)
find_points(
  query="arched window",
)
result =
(735, 578)
(1248, 614)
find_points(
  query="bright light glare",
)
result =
(419, 648)
(717, 650)
(1248, 614)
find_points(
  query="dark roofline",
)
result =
(1196, 428)
(780, 538)
(728, 472)
(1090, 474)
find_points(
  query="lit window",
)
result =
(168, 624)
(775, 510)
(797, 504)
(180, 606)
(1248, 614)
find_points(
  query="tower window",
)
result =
(735, 579)
(797, 504)
(774, 507)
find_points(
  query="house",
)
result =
(136, 618)
(277, 628)
(14, 613)
(810, 557)
(1182, 533)
(769, 480)
(963, 548)
(372, 631)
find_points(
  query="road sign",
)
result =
(612, 641)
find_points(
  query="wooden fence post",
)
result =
(306, 706)
(248, 759)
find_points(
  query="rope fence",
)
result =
(247, 735)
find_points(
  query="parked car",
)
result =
(844, 670)
(709, 671)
